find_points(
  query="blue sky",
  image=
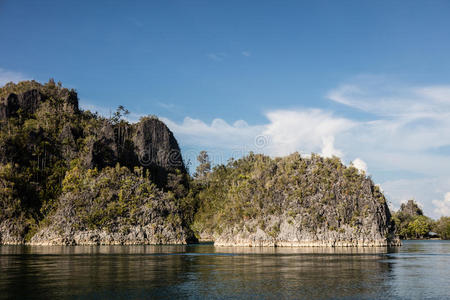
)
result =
(365, 80)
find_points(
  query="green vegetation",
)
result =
(204, 166)
(412, 224)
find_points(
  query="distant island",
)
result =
(411, 223)
(73, 177)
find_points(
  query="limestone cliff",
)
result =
(293, 201)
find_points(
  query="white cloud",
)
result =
(306, 131)
(8, 76)
(328, 149)
(218, 134)
(443, 206)
(286, 132)
(360, 165)
(246, 53)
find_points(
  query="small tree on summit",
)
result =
(121, 128)
(121, 111)
(204, 166)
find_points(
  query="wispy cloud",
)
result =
(220, 56)
(11, 76)
(168, 106)
(246, 53)
(382, 98)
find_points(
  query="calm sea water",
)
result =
(417, 270)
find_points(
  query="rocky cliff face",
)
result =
(148, 143)
(293, 201)
(44, 136)
(157, 148)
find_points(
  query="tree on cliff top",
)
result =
(121, 111)
(204, 166)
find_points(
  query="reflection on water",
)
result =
(419, 269)
(204, 248)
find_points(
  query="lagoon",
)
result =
(417, 270)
